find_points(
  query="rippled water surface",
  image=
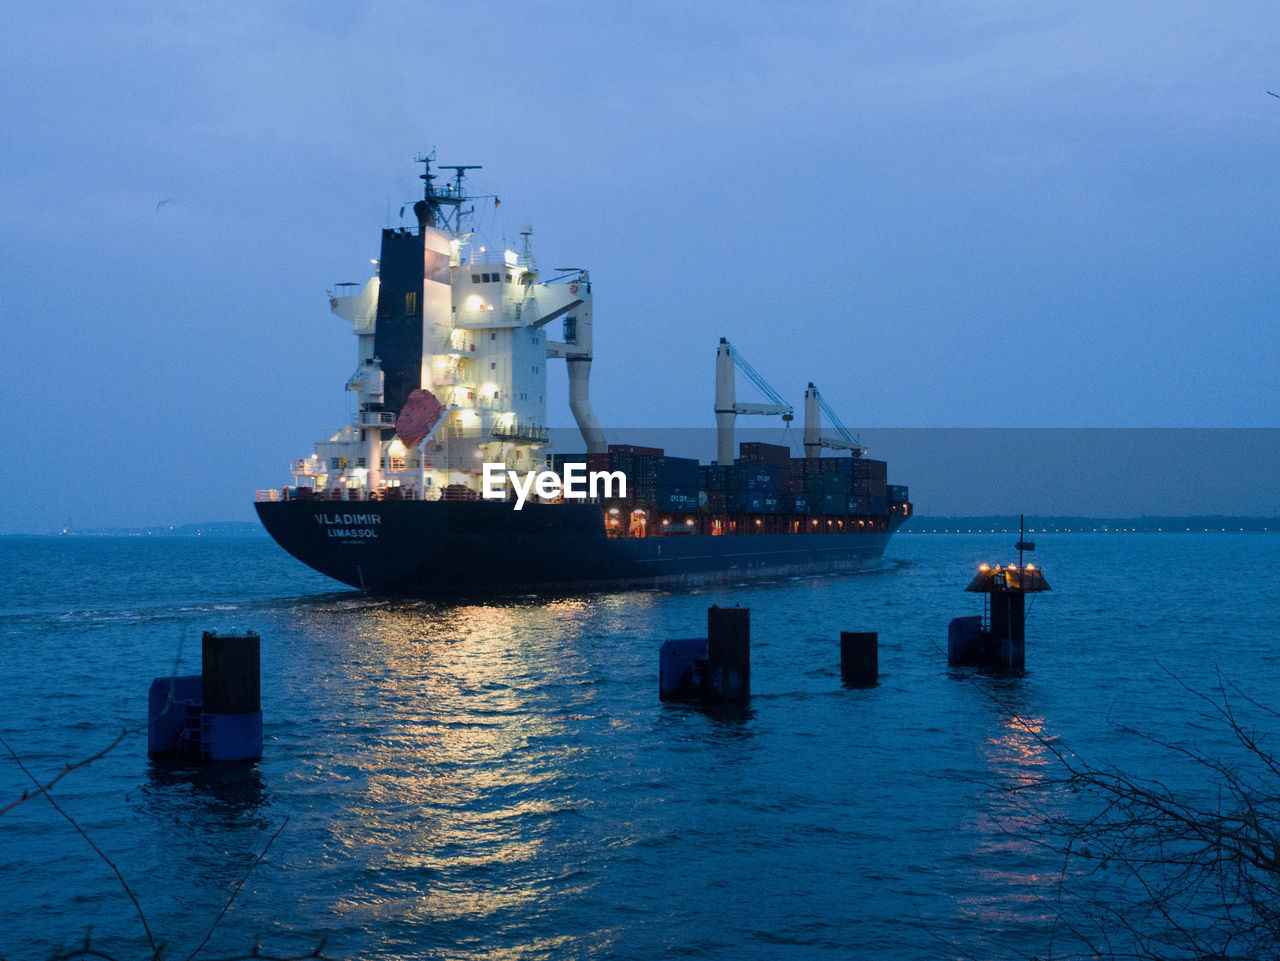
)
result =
(499, 780)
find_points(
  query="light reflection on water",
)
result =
(499, 780)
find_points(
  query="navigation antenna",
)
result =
(459, 175)
(442, 205)
(1023, 544)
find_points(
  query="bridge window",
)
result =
(570, 329)
(475, 278)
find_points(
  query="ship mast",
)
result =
(442, 206)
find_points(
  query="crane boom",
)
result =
(727, 407)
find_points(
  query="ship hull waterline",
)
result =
(452, 548)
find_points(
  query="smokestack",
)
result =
(425, 214)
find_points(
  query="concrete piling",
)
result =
(729, 652)
(682, 668)
(714, 669)
(962, 638)
(998, 640)
(167, 702)
(859, 658)
(232, 696)
(215, 715)
(232, 670)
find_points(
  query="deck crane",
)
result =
(727, 406)
(814, 408)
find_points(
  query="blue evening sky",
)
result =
(962, 214)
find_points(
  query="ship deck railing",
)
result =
(307, 467)
(483, 319)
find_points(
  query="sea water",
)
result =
(499, 779)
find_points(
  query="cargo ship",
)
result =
(444, 482)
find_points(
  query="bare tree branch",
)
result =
(226, 907)
(1155, 873)
(42, 788)
(155, 948)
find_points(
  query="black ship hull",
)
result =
(447, 548)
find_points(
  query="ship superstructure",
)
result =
(471, 326)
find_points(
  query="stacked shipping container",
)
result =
(765, 479)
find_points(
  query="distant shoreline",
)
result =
(211, 529)
(1146, 524)
(919, 524)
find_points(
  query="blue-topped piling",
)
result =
(216, 715)
(231, 668)
(715, 668)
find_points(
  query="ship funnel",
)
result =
(426, 216)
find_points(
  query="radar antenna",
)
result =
(459, 174)
(443, 203)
